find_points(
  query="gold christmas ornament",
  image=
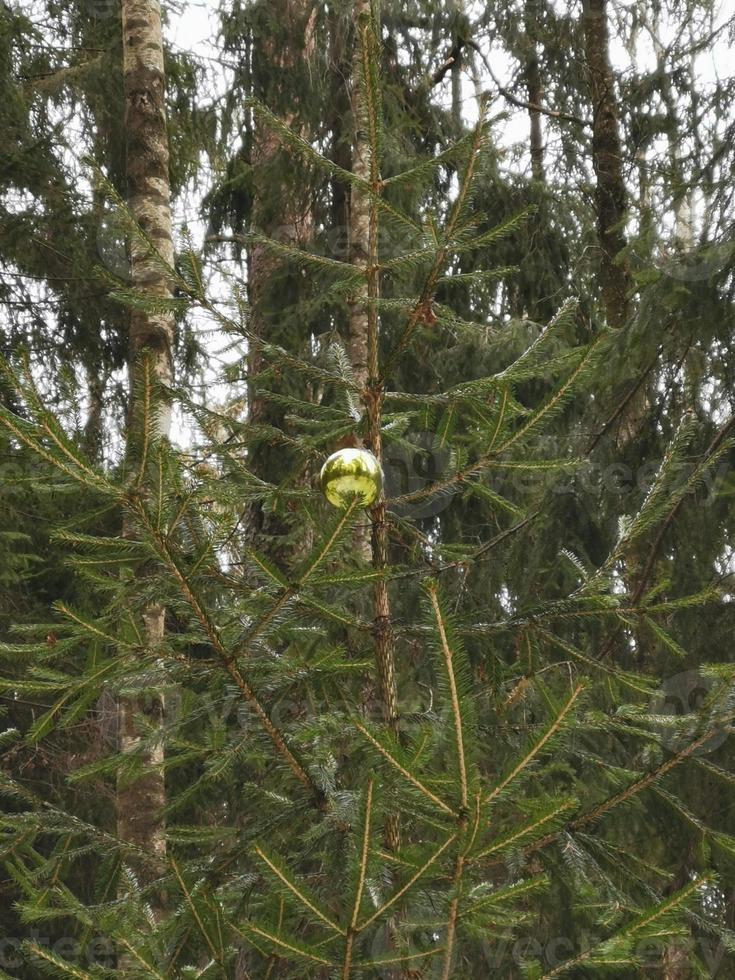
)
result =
(350, 473)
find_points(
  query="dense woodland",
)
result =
(484, 727)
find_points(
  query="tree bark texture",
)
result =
(610, 191)
(363, 349)
(535, 95)
(610, 200)
(359, 213)
(282, 209)
(140, 802)
(534, 87)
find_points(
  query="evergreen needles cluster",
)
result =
(433, 763)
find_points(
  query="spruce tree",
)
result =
(60, 248)
(528, 805)
(416, 832)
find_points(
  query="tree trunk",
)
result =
(535, 94)
(535, 89)
(359, 240)
(140, 802)
(611, 198)
(286, 214)
(359, 214)
(364, 330)
(610, 191)
(93, 435)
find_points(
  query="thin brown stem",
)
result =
(228, 659)
(452, 920)
(364, 853)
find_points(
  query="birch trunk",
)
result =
(140, 802)
(535, 94)
(535, 89)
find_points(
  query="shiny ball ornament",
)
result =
(351, 473)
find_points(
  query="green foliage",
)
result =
(541, 789)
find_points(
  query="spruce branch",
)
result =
(370, 103)
(54, 965)
(404, 772)
(400, 958)
(633, 681)
(422, 311)
(557, 399)
(456, 710)
(511, 840)
(408, 885)
(325, 550)
(614, 951)
(300, 256)
(506, 894)
(365, 187)
(290, 591)
(367, 107)
(363, 854)
(522, 103)
(630, 792)
(142, 407)
(76, 469)
(144, 964)
(711, 455)
(290, 946)
(656, 500)
(453, 915)
(537, 747)
(553, 404)
(362, 871)
(592, 816)
(427, 168)
(298, 891)
(563, 318)
(229, 659)
(217, 954)
(137, 233)
(92, 629)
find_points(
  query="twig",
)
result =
(521, 103)
(621, 407)
(451, 59)
(670, 517)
